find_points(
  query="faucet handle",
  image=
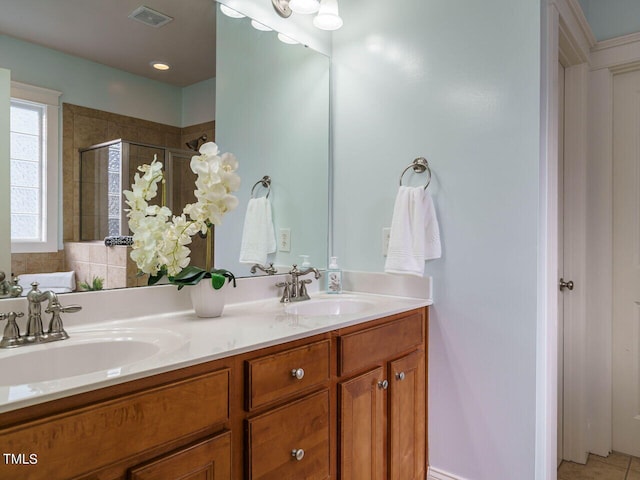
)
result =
(55, 325)
(11, 336)
(286, 295)
(302, 293)
(57, 308)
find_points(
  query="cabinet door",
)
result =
(207, 460)
(362, 427)
(407, 409)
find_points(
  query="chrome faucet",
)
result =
(268, 269)
(35, 333)
(9, 288)
(295, 290)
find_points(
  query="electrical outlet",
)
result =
(284, 240)
(386, 233)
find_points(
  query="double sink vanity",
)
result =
(332, 387)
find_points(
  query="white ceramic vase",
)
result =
(207, 301)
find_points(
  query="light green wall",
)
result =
(459, 83)
(273, 114)
(91, 84)
(199, 102)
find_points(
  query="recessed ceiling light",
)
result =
(230, 12)
(160, 65)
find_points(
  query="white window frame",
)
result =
(51, 100)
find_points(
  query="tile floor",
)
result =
(616, 466)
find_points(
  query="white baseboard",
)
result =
(435, 474)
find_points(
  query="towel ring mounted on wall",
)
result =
(265, 182)
(419, 165)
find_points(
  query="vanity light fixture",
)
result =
(328, 17)
(160, 65)
(305, 7)
(230, 12)
(260, 26)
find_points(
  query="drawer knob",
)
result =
(384, 384)
(299, 374)
(400, 376)
(297, 453)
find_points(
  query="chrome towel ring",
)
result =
(265, 182)
(419, 165)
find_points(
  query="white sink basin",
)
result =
(329, 306)
(84, 353)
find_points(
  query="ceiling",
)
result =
(100, 30)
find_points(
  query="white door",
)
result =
(560, 259)
(626, 263)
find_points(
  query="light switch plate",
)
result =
(284, 240)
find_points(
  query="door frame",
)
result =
(566, 39)
(608, 58)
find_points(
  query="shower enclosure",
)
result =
(108, 168)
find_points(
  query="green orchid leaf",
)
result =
(189, 272)
(217, 281)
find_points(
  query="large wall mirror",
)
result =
(262, 99)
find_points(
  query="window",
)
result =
(34, 169)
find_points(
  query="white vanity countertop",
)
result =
(180, 338)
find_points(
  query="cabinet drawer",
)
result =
(365, 348)
(106, 432)
(208, 459)
(274, 437)
(273, 377)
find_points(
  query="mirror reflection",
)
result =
(281, 132)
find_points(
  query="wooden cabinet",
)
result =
(290, 442)
(407, 410)
(95, 436)
(275, 377)
(347, 404)
(206, 460)
(382, 412)
(361, 426)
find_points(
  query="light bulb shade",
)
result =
(286, 39)
(304, 7)
(230, 12)
(328, 17)
(260, 26)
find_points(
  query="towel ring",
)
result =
(419, 165)
(265, 182)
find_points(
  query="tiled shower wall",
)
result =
(83, 127)
(37, 262)
(111, 264)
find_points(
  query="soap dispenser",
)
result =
(334, 276)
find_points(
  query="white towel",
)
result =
(415, 234)
(58, 282)
(258, 234)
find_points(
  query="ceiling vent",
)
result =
(150, 17)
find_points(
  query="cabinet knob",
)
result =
(400, 376)
(298, 373)
(297, 453)
(384, 384)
